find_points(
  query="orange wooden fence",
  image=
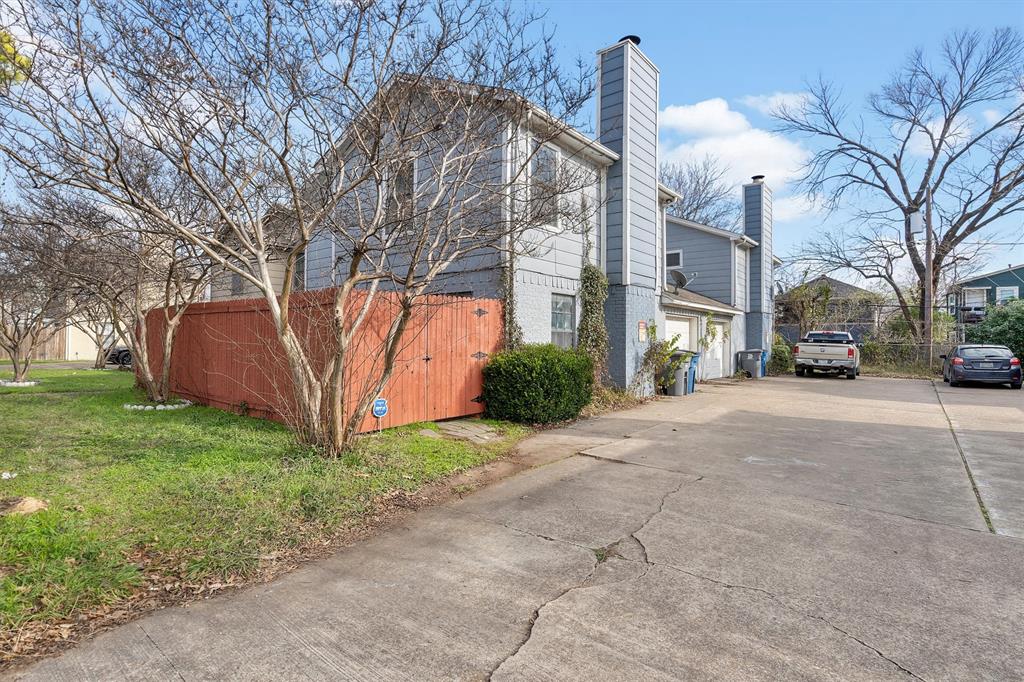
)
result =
(226, 355)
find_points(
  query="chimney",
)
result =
(627, 123)
(757, 224)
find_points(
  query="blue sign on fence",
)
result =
(380, 407)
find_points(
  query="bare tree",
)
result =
(35, 301)
(403, 133)
(952, 126)
(706, 196)
(122, 265)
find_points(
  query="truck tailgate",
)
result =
(824, 351)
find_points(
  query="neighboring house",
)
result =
(968, 298)
(827, 302)
(631, 238)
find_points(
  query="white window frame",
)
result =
(999, 290)
(669, 268)
(573, 322)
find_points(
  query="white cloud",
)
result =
(766, 104)
(921, 145)
(746, 153)
(712, 128)
(710, 117)
(990, 116)
(792, 208)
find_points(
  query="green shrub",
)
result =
(1003, 325)
(781, 359)
(538, 384)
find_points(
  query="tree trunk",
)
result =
(100, 361)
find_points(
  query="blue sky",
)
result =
(720, 62)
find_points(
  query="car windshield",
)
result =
(827, 337)
(979, 353)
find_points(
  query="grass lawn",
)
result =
(174, 501)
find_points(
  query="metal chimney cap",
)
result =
(631, 38)
(757, 178)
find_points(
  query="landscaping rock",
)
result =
(21, 505)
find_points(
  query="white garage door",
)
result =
(680, 326)
(714, 357)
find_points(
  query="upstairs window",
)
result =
(299, 273)
(236, 284)
(673, 261)
(398, 214)
(563, 320)
(544, 185)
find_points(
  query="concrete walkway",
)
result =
(736, 534)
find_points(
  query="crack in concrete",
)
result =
(535, 616)
(609, 549)
(778, 600)
(162, 653)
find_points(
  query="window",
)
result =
(544, 185)
(236, 284)
(299, 273)
(563, 320)
(673, 261)
(1004, 294)
(399, 208)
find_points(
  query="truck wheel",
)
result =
(851, 374)
(799, 371)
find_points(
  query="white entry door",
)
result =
(714, 356)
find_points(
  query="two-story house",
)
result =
(631, 238)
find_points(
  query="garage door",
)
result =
(714, 358)
(680, 326)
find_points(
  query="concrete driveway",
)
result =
(783, 529)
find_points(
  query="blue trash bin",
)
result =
(764, 363)
(691, 376)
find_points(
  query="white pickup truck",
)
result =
(833, 352)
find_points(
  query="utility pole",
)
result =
(928, 303)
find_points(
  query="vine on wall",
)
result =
(592, 334)
(512, 333)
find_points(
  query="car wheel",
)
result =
(953, 382)
(1016, 385)
(851, 374)
(799, 371)
(945, 377)
(125, 359)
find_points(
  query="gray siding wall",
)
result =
(610, 109)
(627, 112)
(643, 170)
(710, 256)
(741, 301)
(757, 224)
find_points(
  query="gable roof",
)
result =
(975, 278)
(717, 231)
(840, 289)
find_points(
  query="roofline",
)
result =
(960, 282)
(777, 260)
(669, 193)
(717, 231)
(724, 309)
(576, 140)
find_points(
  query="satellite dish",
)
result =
(679, 278)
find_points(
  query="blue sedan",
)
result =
(983, 364)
